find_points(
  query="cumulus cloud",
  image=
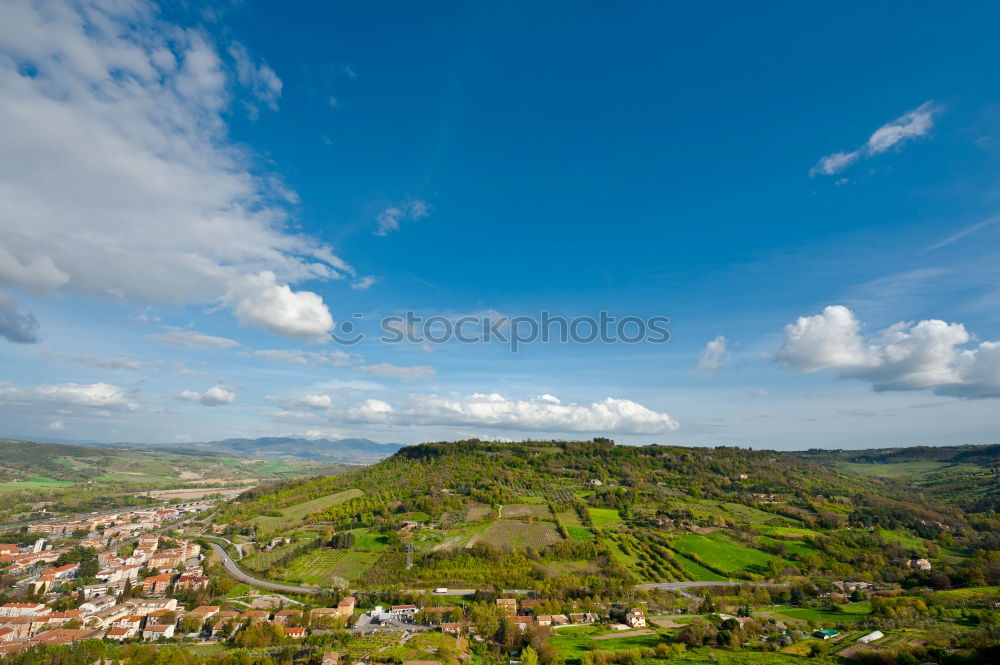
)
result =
(930, 355)
(396, 372)
(192, 339)
(214, 396)
(714, 355)
(911, 125)
(90, 395)
(57, 425)
(16, 326)
(262, 302)
(390, 218)
(119, 178)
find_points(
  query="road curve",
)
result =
(237, 572)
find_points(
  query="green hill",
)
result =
(563, 515)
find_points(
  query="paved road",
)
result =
(238, 573)
(235, 571)
(678, 586)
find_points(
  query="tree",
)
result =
(529, 656)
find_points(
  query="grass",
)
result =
(698, 572)
(907, 470)
(577, 531)
(604, 517)
(850, 614)
(34, 483)
(723, 554)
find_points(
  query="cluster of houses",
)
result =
(27, 624)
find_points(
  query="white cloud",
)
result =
(835, 163)
(16, 326)
(911, 125)
(260, 301)
(214, 396)
(308, 358)
(57, 425)
(120, 361)
(363, 284)
(396, 372)
(390, 218)
(373, 411)
(119, 178)
(260, 79)
(544, 413)
(714, 355)
(315, 402)
(930, 355)
(192, 339)
(89, 395)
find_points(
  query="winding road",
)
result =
(237, 572)
(233, 569)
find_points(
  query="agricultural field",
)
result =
(723, 554)
(604, 517)
(522, 510)
(321, 567)
(34, 483)
(850, 613)
(516, 533)
(574, 527)
(299, 511)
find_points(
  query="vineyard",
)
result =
(515, 533)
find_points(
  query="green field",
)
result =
(698, 572)
(851, 612)
(907, 470)
(723, 554)
(577, 531)
(34, 483)
(603, 517)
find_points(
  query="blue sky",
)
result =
(193, 199)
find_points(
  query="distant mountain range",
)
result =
(344, 451)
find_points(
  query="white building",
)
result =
(871, 637)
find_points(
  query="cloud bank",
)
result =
(930, 355)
